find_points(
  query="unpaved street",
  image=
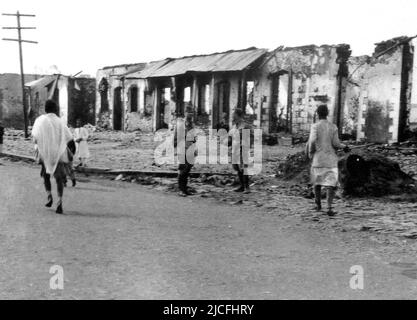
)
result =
(122, 240)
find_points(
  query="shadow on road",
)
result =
(103, 215)
(93, 189)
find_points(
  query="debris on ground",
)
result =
(295, 167)
(370, 171)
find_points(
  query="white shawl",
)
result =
(51, 136)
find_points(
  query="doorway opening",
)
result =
(249, 90)
(280, 103)
(133, 98)
(166, 108)
(222, 111)
(204, 100)
(104, 100)
(117, 109)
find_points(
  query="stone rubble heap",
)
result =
(369, 171)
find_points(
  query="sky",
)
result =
(85, 35)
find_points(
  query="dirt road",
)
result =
(120, 240)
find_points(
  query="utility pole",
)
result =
(19, 40)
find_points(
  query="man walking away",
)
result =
(182, 128)
(51, 136)
(321, 147)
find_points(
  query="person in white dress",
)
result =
(81, 136)
(321, 148)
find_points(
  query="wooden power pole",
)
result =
(20, 41)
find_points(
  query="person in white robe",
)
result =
(81, 136)
(51, 136)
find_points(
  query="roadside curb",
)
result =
(116, 172)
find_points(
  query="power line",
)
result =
(19, 39)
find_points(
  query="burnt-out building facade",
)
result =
(278, 91)
(212, 84)
(11, 100)
(75, 97)
(292, 82)
(371, 98)
(382, 88)
(111, 95)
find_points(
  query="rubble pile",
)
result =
(405, 155)
(369, 173)
(218, 180)
(13, 134)
(295, 167)
(363, 172)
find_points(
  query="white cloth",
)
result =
(51, 136)
(322, 144)
(82, 146)
(326, 177)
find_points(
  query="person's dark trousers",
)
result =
(330, 193)
(183, 174)
(48, 188)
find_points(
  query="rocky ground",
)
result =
(389, 218)
(135, 151)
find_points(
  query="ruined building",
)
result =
(160, 90)
(278, 91)
(371, 98)
(75, 97)
(111, 96)
(382, 91)
(11, 102)
(291, 83)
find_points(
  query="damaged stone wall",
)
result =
(314, 82)
(11, 103)
(82, 100)
(139, 120)
(357, 67)
(413, 98)
(379, 102)
(110, 76)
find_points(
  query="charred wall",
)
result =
(110, 92)
(315, 72)
(82, 100)
(11, 102)
(381, 86)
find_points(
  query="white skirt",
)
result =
(326, 177)
(82, 150)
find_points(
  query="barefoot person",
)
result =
(236, 134)
(321, 147)
(81, 136)
(182, 128)
(51, 136)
